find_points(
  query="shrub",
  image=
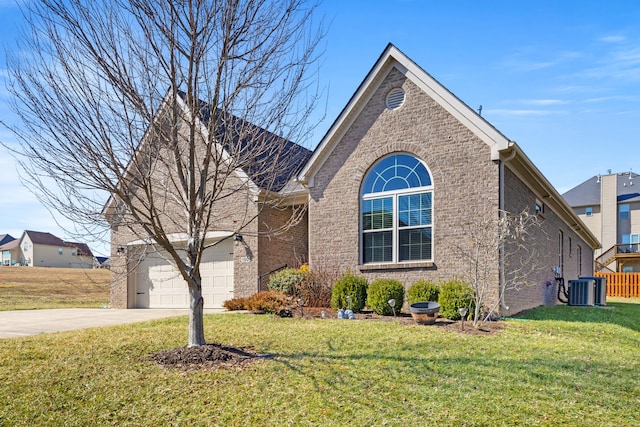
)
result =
(237, 303)
(268, 302)
(353, 285)
(315, 288)
(455, 294)
(286, 281)
(423, 290)
(380, 292)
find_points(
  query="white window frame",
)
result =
(395, 229)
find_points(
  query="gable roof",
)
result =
(288, 160)
(393, 58)
(502, 149)
(43, 238)
(6, 238)
(83, 248)
(48, 239)
(587, 193)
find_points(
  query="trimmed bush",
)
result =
(353, 285)
(455, 294)
(237, 303)
(287, 280)
(423, 290)
(379, 293)
(268, 302)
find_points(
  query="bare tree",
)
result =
(506, 239)
(167, 109)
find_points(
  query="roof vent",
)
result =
(395, 98)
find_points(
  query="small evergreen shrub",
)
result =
(353, 285)
(268, 302)
(423, 290)
(379, 293)
(455, 294)
(286, 281)
(237, 303)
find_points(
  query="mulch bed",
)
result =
(203, 357)
(214, 356)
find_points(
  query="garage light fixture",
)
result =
(238, 238)
(120, 250)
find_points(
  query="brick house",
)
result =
(238, 251)
(387, 188)
(404, 163)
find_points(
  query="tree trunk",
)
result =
(196, 316)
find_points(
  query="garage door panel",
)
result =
(159, 285)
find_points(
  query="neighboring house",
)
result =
(39, 249)
(609, 205)
(6, 238)
(9, 250)
(103, 262)
(404, 165)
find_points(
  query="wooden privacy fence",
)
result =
(625, 285)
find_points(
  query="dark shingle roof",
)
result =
(43, 238)
(6, 238)
(83, 248)
(276, 153)
(588, 192)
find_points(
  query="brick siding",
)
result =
(540, 287)
(465, 181)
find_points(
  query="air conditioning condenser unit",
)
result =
(582, 292)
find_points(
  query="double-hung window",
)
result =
(396, 211)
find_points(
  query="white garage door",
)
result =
(159, 285)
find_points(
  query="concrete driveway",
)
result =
(32, 322)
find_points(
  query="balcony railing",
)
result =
(615, 253)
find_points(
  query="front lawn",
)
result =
(332, 373)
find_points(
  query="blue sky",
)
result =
(561, 78)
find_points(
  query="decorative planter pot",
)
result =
(425, 313)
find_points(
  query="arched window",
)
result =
(396, 211)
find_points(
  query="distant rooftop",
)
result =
(588, 192)
(43, 238)
(6, 238)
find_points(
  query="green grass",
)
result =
(583, 372)
(618, 311)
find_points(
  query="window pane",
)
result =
(377, 213)
(397, 172)
(378, 246)
(414, 210)
(415, 244)
(624, 211)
